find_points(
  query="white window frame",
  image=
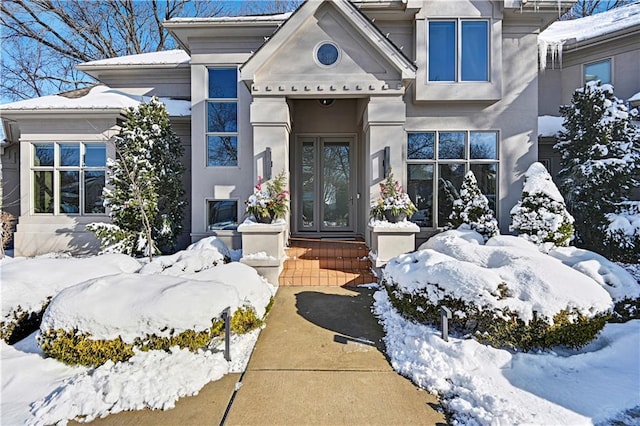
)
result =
(56, 168)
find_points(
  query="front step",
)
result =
(326, 263)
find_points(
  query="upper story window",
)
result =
(598, 71)
(436, 165)
(458, 50)
(222, 117)
(68, 177)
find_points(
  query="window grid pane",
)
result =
(222, 117)
(483, 145)
(420, 190)
(94, 182)
(43, 196)
(69, 155)
(598, 71)
(223, 83)
(442, 51)
(43, 154)
(449, 183)
(475, 51)
(421, 146)
(451, 145)
(69, 192)
(222, 214)
(95, 155)
(222, 151)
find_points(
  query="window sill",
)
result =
(469, 91)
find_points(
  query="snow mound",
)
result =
(481, 385)
(134, 305)
(29, 282)
(211, 243)
(466, 269)
(613, 278)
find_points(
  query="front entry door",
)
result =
(325, 184)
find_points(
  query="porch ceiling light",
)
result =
(326, 102)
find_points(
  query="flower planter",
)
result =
(263, 219)
(394, 218)
(263, 247)
(389, 240)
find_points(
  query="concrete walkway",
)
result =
(319, 361)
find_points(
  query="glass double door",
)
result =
(325, 189)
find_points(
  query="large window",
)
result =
(598, 71)
(68, 177)
(458, 50)
(436, 165)
(222, 117)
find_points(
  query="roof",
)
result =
(167, 57)
(242, 18)
(98, 98)
(593, 26)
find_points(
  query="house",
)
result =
(601, 47)
(336, 94)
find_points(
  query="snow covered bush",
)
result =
(109, 318)
(144, 192)
(541, 215)
(28, 284)
(600, 151)
(472, 208)
(505, 293)
(622, 286)
(622, 241)
(204, 254)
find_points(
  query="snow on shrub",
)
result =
(506, 295)
(622, 235)
(197, 257)
(29, 283)
(472, 209)
(623, 288)
(541, 215)
(106, 318)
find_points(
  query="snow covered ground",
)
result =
(37, 390)
(479, 384)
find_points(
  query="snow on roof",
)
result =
(245, 18)
(557, 34)
(594, 25)
(100, 97)
(635, 98)
(549, 126)
(167, 57)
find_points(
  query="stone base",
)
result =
(391, 240)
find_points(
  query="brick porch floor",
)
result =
(326, 263)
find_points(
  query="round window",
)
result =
(327, 54)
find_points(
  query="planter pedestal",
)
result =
(389, 240)
(263, 248)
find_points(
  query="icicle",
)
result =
(560, 49)
(554, 49)
(542, 52)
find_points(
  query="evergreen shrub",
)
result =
(20, 323)
(76, 348)
(500, 329)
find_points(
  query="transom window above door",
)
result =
(458, 50)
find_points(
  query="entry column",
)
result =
(383, 121)
(271, 123)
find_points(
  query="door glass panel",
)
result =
(308, 184)
(336, 169)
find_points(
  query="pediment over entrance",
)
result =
(360, 59)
